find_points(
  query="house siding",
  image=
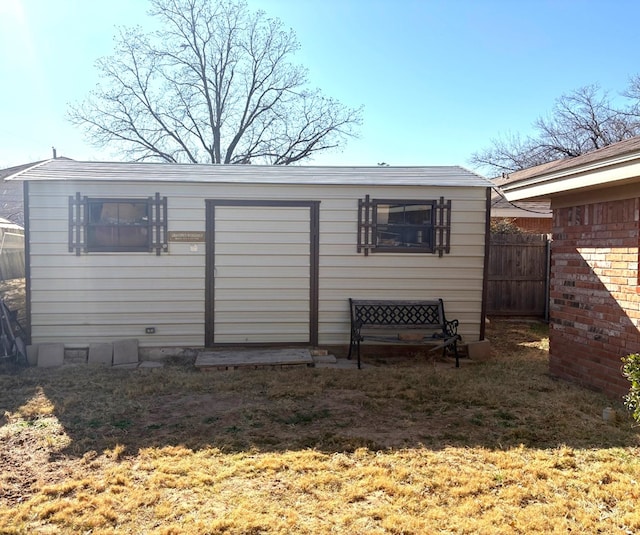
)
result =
(97, 297)
(595, 304)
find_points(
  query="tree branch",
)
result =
(215, 84)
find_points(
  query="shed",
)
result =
(183, 255)
(594, 294)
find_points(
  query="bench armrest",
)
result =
(451, 328)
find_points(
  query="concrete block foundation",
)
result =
(50, 355)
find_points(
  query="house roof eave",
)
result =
(13, 173)
(608, 172)
(72, 170)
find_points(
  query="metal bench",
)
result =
(383, 320)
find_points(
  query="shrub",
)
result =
(631, 370)
(505, 226)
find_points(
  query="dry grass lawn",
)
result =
(400, 447)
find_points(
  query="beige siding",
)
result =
(81, 299)
(102, 296)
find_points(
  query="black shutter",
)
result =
(443, 227)
(77, 224)
(365, 225)
(158, 220)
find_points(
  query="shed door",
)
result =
(262, 270)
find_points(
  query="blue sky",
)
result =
(438, 79)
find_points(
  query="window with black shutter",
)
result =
(117, 225)
(404, 226)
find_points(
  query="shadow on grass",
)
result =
(506, 402)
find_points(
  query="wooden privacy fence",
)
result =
(518, 275)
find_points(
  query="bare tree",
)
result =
(215, 85)
(581, 121)
(508, 154)
(633, 94)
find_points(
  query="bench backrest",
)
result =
(381, 313)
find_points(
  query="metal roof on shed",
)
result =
(59, 169)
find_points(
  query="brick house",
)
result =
(595, 294)
(529, 216)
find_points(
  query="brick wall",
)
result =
(595, 301)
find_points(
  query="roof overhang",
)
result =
(9, 172)
(72, 170)
(609, 172)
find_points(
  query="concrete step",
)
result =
(253, 358)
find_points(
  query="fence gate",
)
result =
(518, 277)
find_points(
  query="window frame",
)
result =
(92, 248)
(427, 228)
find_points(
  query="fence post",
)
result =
(547, 279)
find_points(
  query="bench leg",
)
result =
(452, 342)
(354, 341)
